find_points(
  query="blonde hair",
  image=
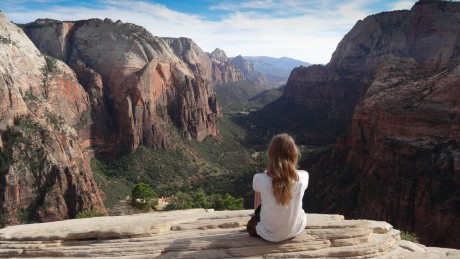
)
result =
(283, 156)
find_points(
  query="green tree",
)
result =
(180, 201)
(143, 197)
(226, 202)
(199, 199)
(88, 214)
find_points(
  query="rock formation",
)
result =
(249, 71)
(137, 86)
(45, 172)
(207, 234)
(280, 67)
(96, 85)
(192, 54)
(391, 91)
(214, 67)
(223, 70)
(261, 78)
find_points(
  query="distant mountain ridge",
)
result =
(281, 67)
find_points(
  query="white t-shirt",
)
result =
(277, 222)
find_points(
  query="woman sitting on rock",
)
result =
(278, 194)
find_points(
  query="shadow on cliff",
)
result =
(283, 115)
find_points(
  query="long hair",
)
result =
(283, 156)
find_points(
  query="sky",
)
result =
(308, 30)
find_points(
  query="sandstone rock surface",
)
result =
(205, 234)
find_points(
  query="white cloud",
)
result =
(403, 5)
(306, 30)
(231, 6)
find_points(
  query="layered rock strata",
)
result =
(207, 234)
(45, 172)
(214, 67)
(138, 87)
(393, 80)
(258, 79)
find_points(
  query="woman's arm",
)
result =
(257, 200)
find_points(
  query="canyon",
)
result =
(138, 85)
(386, 103)
(390, 95)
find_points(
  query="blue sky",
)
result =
(308, 30)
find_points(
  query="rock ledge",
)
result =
(202, 233)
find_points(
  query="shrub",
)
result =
(199, 199)
(5, 40)
(143, 197)
(226, 202)
(50, 64)
(56, 120)
(409, 237)
(180, 201)
(88, 214)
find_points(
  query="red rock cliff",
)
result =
(45, 172)
(214, 67)
(137, 86)
(399, 161)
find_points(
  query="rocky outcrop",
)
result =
(214, 67)
(223, 71)
(219, 55)
(208, 234)
(192, 54)
(249, 71)
(137, 86)
(45, 172)
(395, 76)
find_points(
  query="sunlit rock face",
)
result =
(214, 67)
(45, 172)
(394, 80)
(138, 87)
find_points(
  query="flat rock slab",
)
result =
(200, 233)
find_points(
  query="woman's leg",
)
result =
(251, 227)
(252, 223)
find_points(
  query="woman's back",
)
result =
(278, 222)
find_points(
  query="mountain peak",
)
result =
(219, 55)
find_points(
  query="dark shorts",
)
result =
(252, 223)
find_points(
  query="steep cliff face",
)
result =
(192, 54)
(399, 159)
(223, 70)
(45, 172)
(324, 97)
(214, 67)
(138, 87)
(249, 71)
